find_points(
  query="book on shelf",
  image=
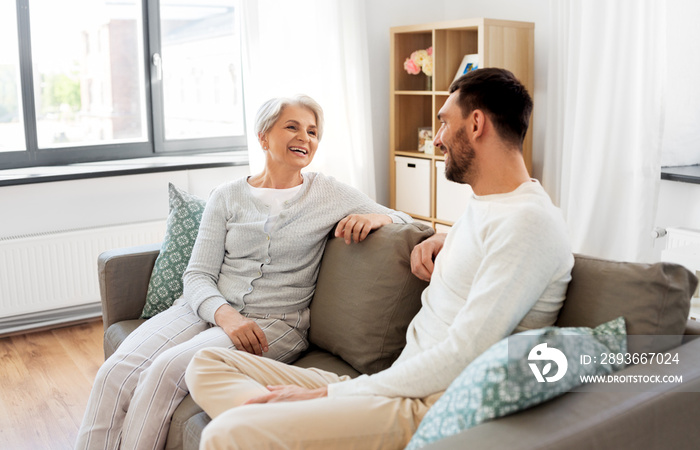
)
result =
(469, 63)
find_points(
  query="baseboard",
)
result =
(49, 319)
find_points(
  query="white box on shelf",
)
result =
(451, 197)
(413, 185)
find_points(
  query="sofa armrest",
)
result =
(692, 331)
(692, 328)
(602, 418)
(124, 275)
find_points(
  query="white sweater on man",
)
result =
(504, 268)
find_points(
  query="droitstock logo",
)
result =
(541, 352)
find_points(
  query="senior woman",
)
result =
(248, 283)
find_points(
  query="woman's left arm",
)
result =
(356, 227)
(364, 214)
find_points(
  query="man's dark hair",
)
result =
(501, 96)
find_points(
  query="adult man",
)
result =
(503, 268)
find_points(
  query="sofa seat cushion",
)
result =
(366, 296)
(186, 410)
(654, 299)
(192, 432)
(117, 332)
(321, 359)
(519, 372)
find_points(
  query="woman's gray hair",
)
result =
(271, 110)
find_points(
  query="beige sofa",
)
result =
(366, 296)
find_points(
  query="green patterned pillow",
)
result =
(502, 381)
(183, 225)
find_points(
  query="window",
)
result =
(86, 80)
(11, 122)
(681, 140)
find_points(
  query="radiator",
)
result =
(51, 277)
(683, 247)
(680, 237)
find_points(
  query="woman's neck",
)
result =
(270, 180)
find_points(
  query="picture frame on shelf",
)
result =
(469, 63)
(425, 140)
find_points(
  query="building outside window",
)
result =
(87, 80)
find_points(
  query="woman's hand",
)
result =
(423, 256)
(245, 334)
(356, 227)
(289, 393)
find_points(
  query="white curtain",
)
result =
(605, 117)
(318, 48)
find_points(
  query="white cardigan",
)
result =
(235, 261)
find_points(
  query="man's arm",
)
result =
(504, 276)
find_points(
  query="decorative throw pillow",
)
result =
(182, 227)
(654, 299)
(519, 372)
(366, 296)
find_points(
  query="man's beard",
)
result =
(460, 161)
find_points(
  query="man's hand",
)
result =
(289, 393)
(423, 256)
(356, 227)
(245, 334)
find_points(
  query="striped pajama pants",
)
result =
(139, 387)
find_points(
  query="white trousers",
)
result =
(222, 380)
(139, 387)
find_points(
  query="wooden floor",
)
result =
(45, 381)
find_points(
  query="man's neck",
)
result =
(502, 173)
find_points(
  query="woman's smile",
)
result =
(299, 150)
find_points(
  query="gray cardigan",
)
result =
(234, 260)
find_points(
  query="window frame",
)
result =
(155, 145)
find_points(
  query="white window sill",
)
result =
(683, 174)
(30, 175)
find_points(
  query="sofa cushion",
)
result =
(654, 299)
(165, 285)
(501, 380)
(185, 415)
(117, 332)
(193, 431)
(366, 296)
(321, 359)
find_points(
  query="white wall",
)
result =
(679, 203)
(64, 205)
(384, 14)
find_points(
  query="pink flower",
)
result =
(411, 67)
(420, 59)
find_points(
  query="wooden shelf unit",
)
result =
(499, 43)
